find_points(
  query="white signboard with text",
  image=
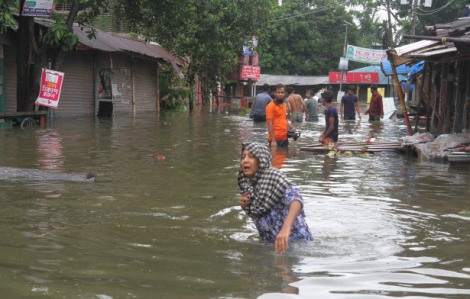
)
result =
(365, 55)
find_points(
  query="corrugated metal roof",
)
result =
(422, 44)
(110, 43)
(292, 80)
(425, 54)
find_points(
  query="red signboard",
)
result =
(354, 77)
(250, 72)
(51, 84)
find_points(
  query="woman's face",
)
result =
(249, 164)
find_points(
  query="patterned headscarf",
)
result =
(268, 186)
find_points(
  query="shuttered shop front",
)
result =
(77, 95)
(10, 53)
(146, 86)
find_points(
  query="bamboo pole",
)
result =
(400, 92)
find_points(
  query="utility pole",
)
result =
(413, 23)
(390, 32)
(344, 53)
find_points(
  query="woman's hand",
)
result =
(282, 241)
(245, 200)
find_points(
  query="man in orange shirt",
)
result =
(276, 118)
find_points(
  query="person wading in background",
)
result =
(296, 106)
(276, 118)
(376, 108)
(312, 107)
(330, 135)
(349, 105)
(261, 101)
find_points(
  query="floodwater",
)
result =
(385, 226)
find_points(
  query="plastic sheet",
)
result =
(438, 149)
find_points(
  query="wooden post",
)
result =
(443, 98)
(134, 108)
(401, 96)
(428, 98)
(158, 89)
(460, 96)
(466, 109)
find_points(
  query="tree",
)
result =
(56, 41)
(307, 38)
(441, 11)
(7, 19)
(206, 34)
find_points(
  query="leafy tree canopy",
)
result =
(207, 34)
(307, 37)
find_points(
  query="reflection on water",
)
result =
(385, 226)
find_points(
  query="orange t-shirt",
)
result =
(278, 114)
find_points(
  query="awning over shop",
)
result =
(111, 43)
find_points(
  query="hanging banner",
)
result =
(37, 8)
(343, 64)
(365, 55)
(354, 77)
(250, 72)
(427, 3)
(51, 85)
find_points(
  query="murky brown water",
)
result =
(385, 226)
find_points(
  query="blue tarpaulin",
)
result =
(387, 68)
(416, 69)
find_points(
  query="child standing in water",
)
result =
(273, 203)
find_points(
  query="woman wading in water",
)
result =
(273, 203)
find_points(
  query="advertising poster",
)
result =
(356, 77)
(365, 55)
(37, 8)
(250, 72)
(51, 85)
(343, 64)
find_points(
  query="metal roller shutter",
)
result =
(146, 86)
(10, 53)
(77, 96)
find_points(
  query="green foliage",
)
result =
(7, 20)
(306, 38)
(59, 35)
(245, 111)
(173, 90)
(207, 34)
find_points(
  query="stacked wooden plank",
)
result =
(364, 146)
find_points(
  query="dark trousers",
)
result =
(259, 118)
(280, 143)
(350, 117)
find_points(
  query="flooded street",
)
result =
(385, 226)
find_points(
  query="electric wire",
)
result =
(428, 13)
